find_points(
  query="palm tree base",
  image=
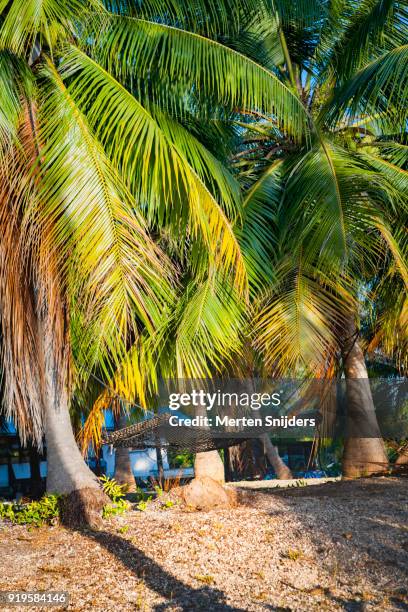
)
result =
(206, 494)
(364, 457)
(83, 508)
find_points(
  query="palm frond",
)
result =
(156, 168)
(380, 88)
(132, 383)
(313, 201)
(364, 31)
(296, 323)
(396, 252)
(15, 83)
(119, 278)
(28, 23)
(134, 47)
(392, 172)
(390, 324)
(394, 152)
(304, 12)
(207, 17)
(204, 334)
(258, 235)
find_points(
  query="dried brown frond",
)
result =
(32, 311)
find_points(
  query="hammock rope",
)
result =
(158, 433)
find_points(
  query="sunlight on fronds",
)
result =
(204, 334)
(134, 382)
(204, 66)
(120, 276)
(29, 21)
(154, 166)
(295, 328)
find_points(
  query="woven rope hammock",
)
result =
(157, 432)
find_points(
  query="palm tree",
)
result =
(330, 212)
(101, 167)
(123, 468)
(326, 191)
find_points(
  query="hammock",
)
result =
(158, 433)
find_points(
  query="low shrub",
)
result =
(116, 493)
(37, 513)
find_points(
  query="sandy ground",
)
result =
(338, 546)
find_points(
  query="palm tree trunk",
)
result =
(36, 343)
(402, 459)
(281, 469)
(36, 483)
(123, 469)
(362, 456)
(67, 473)
(210, 465)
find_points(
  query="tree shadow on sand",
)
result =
(177, 593)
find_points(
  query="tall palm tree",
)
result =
(330, 213)
(325, 205)
(100, 168)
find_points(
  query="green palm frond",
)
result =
(301, 27)
(313, 201)
(210, 170)
(155, 168)
(258, 236)
(298, 322)
(381, 88)
(118, 275)
(258, 38)
(392, 172)
(12, 90)
(30, 23)
(363, 33)
(131, 48)
(204, 334)
(212, 17)
(304, 12)
(394, 152)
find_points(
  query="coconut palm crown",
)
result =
(127, 245)
(321, 223)
(99, 167)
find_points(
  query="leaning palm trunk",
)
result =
(247, 460)
(123, 469)
(281, 469)
(68, 475)
(402, 459)
(364, 455)
(209, 463)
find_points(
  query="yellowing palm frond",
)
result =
(296, 326)
(157, 171)
(114, 269)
